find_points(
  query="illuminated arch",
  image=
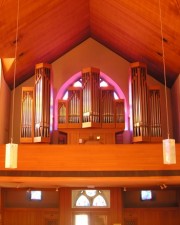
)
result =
(73, 79)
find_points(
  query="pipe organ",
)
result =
(139, 102)
(91, 106)
(91, 97)
(112, 111)
(108, 107)
(62, 113)
(119, 114)
(155, 114)
(75, 106)
(145, 106)
(42, 103)
(35, 107)
(27, 115)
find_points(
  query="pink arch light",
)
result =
(75, 77)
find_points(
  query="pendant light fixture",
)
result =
(169, 152)
(11, 151)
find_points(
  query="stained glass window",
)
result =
(78, 83)
(99, 201)
(90, 198)
(82, 201)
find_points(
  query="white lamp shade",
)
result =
(11, 155)
(169, 151)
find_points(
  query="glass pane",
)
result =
(65, 97)
(99, 201)
(91, 193)
(77, 84)
(82, 201)
(103, 84)
(116, 96)
(100, 220)
(90, 198)
(81, 219)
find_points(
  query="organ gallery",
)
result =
(90, 112)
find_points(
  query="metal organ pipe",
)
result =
(139, 101)
(42, 110)
(27, 110)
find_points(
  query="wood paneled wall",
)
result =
(143, 216)
(24, 216)
(100, 164)
(149, 216)
(79, 157)
(117, 213)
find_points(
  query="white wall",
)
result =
(5, 99)
(175, 98)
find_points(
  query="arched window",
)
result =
(92, 99)
(78, 83)
(90, 198)
(91, 102)
(99, 201)
(82, 201)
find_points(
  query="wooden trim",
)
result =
(80, 157)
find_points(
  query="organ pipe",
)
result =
(155, 114)
(146, 109)
(139, 102)
(27, 116)
(74, 107)
(91, 105)
(119, 114)
(91, 97)
(107, 107)
(62, 113)
(42, 102)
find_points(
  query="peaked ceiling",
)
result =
(49, 29)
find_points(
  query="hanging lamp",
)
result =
(11, 151)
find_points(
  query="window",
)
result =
(146, 195)
(90, 198)
(35, 195)
(78, 83)
(81, 219)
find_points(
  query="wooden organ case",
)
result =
(90, 110)
(27, 115)
(91, 97)
(35, 107)
(70, 111)
(139, 102)
(112, 110)
(155, 129)
(146, 115)
(42, 102)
